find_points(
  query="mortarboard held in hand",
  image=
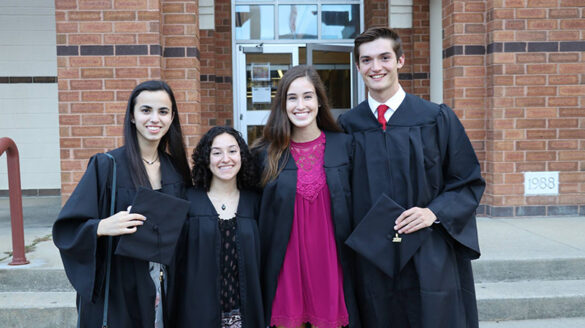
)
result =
(373, 237)
(156, 239)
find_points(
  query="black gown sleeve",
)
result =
(75, 231)
(463, 185)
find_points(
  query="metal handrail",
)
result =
(15, 192)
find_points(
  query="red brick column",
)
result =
(216, 70)
(536, 120)
(420, 57)
(181, 63)
(375, 13)
(208, 85)
(104, 49)
(405, 74)
(464, 72)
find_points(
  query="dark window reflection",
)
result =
(334, 69)
(254, 132)
(338, 88)
(340, 21)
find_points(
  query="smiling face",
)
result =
(152, 116)
(224, 158)
(302, 105)
(379, 66)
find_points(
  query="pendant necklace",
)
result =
(150, 162)
(223, 202)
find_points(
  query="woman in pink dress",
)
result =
(304, 218)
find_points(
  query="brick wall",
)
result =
(216, 70)
(375, 13)
(104, 49)
(464, 74)
(181, 63)
(415, 74)
(536, 96)
(406, 73)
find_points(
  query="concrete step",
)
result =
(531, 273)
(529, 269)
(542, 323)
(40, 280)
(33, 309)
(536, 299)
(37, 294)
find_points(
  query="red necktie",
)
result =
(381, 111)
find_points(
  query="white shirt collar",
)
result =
(393, 103)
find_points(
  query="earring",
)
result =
(132, 121)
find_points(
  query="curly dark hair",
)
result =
(201, 174)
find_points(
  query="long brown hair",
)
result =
(171, 143)
(277, 131)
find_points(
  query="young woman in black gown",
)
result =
(152, 156)
(218, 257)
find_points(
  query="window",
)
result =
(254, 22)
(340, 21)
(311, 21)
(297, 22)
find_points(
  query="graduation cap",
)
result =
(373, 237)
(156, 239)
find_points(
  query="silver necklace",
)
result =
(150, 162)
(223, 206)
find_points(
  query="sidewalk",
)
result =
(531, 238)
(39, 213)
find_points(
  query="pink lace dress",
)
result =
(310, 283)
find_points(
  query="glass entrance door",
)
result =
(258, 71)
(336, 67)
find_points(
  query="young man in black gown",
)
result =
(416, 185)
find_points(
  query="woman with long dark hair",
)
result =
(153, 157)
(304, 217)
(218, 257)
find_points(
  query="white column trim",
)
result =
(436, 50)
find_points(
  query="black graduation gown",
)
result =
(423, 159)
(197, 270)
(132, 293)
(277, 211)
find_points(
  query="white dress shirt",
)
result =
(393, 103)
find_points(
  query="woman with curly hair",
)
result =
(218, 260)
